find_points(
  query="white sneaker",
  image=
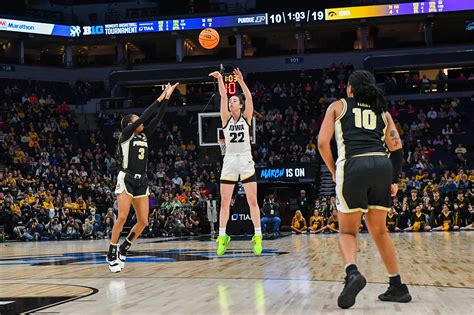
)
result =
(114, 265)
(121, 260)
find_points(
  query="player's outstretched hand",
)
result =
(238, 75)
(215, 74)
(169, 90)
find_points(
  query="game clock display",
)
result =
(230, 82)
(295, 17)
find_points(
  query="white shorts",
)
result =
(235, 166)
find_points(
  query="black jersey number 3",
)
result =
(141, 153)
(365, 118)
(236, 137)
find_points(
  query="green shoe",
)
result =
(222, 242)
(257, 245)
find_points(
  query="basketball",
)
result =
(209, 38)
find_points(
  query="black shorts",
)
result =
(132, 185)
(363, 183)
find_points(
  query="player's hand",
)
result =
(169, 90)
(215, 74)
(238, 75)
(334, 177)
(394, 190)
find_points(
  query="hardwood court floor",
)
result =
(298, 274)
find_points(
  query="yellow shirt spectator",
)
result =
(31, 198)
(419, 177)
(15, 208)
(48, 205)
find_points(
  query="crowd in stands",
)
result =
(406, 82)
(58, 181)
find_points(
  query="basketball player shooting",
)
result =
(132, 183)
(236, 117)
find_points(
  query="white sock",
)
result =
(258, 231)
(222, 231)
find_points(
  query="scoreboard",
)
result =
(412, 8)
(257, 19)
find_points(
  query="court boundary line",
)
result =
(94, 291)
(211, 278)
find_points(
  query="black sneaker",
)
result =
(353, 284)
(121, 257)
(398, 294)
(112, 260)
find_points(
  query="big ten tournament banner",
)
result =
(240, 222)
(288, 173)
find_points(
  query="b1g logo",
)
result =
(93, 30)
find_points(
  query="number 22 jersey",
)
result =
(237, 137)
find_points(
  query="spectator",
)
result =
(333, 223)
(446, 221)
(298, 223)
(316, 223)
(71, 230)
(418, 222)
(461, 210)
(304, 203)
(460, 149)
(270, 214)
(432, 114)
(450, 186)
(392, 221)
(211, 208)
(87, 230)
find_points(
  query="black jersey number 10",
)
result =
(365, 118)
(237, 137)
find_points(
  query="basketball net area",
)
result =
(211, 133)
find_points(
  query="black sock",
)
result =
(125, 246)
(112, 254)
(395, 281)
(352, 268)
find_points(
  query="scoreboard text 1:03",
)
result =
(298, 16)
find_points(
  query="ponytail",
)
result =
(123, 123)
(365, 91)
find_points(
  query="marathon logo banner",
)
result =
(34, 27)
(183, 24)
(288, 173)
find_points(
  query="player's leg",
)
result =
(397, 291)
(226, 195)
(351, 197)
(379, 204)
(251, 194)
(141, 206)
(124, 202)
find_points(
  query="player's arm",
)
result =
(325, 135)
(164, 98)
(225, 115)
(394, 144)
(248, 113)
(147, 113)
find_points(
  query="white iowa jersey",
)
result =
(237, 137)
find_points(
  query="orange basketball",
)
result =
(209, 38)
